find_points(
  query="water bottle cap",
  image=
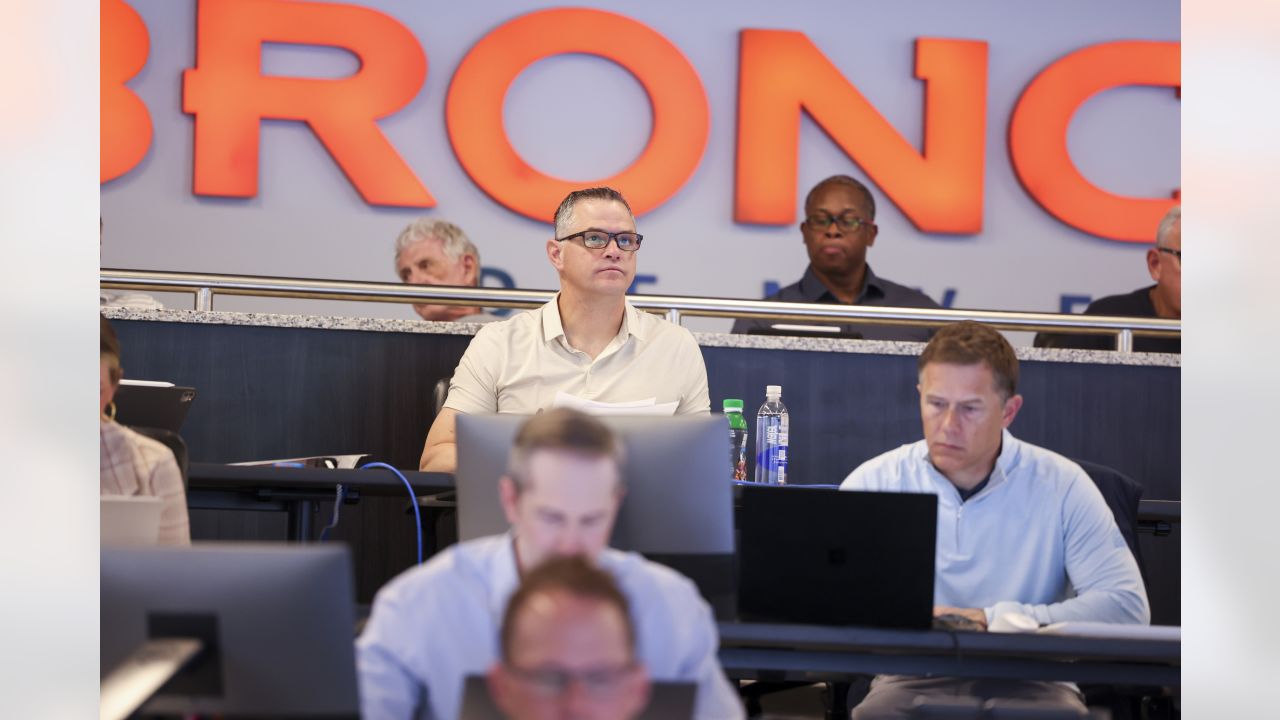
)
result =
(732, 405)
(773, 390)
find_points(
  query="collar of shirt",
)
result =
(553, 326)
(814, 291)
(1006, 461)
(504, 575)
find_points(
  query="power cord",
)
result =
(413, 500)
(339, 496)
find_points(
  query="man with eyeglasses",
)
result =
(838, 228)
(1162, 300)
(587, 344)
(568, 648)
(437, 624)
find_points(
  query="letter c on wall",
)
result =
(1038, 136)
(473, 110)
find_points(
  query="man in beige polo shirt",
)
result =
(588, 342)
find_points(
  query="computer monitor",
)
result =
(679, 504)
(277, 621)
(141, 403)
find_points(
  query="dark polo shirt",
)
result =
(1135, 304)
(875, 291)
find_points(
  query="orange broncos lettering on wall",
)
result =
(939, 189)
(229, 96)
(473, 110)
(125, 129)
(1038, 136)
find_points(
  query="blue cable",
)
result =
(417, 514)
(337, 505)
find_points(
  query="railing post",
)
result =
(204, 298)
(673, 316)
(1124, 341)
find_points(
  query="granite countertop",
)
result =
(705, 339)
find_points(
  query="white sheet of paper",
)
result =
(648, 406)
(1114, 630)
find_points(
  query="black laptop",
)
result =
(826, 557)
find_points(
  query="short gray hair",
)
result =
(1167, 222)
(564, 214)
(455, 241)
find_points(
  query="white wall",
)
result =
(308, 220)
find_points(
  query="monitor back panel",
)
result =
(679, 494)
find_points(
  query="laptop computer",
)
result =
(130, 520)
(826, 557)
(141, 403)
(667, 701)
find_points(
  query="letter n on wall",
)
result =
(939, 188)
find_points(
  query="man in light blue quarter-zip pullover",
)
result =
(1021, 529)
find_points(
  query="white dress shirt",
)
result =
(436, 624)
(518, 366)
(1039, 539)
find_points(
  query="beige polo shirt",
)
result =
(518, 366)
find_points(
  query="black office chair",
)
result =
(1123, 494)
(171, 440)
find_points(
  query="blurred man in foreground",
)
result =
(568, 648)
(436, 624)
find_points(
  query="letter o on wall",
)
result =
(473, 109)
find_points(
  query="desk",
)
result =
(811, 653)
(293, 490)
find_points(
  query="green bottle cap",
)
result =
(732, 405)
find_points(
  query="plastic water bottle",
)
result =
(773, 426)
(737, 438)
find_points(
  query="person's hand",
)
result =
(976, 615)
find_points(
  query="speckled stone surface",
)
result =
(705, 339)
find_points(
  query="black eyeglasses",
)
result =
(596, 239)
(847, 221)
(1171, 251)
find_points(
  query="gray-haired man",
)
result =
(437, 252)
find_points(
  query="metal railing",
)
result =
(206, 285)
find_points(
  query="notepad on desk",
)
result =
(647, 406)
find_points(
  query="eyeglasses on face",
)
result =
(596, 239)
(552, 682)
(846, 220)
(1171, 251)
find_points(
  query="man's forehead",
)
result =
(979, 373)
(547, 465)
(838, 197)
(428, 244)
(594, 211)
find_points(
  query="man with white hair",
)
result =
(1162, 300)
(437, 252)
